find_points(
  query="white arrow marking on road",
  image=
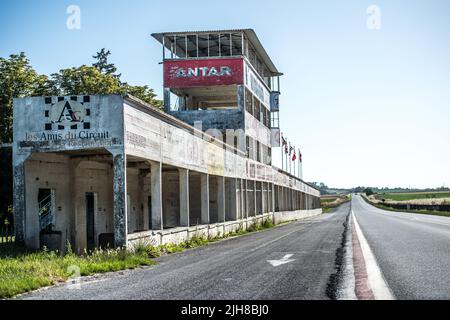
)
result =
(284, 260)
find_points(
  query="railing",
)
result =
(45, 212)
(6, 233)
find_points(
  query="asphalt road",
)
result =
(412, 250)
(237, 268)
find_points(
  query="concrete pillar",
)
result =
(204, 195)
(247, 205)
(156, 192)
(166, 99)
(255, 207)
(221, 199)
(272, 197)
(184, 197)
(242, 213)
(120, 199)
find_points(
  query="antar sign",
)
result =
(210, 72)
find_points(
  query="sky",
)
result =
(367, 107)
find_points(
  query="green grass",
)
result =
(22, 271)
(414, 195)
(326, 200)
(152, 251)
(328, 204)
(427, 212)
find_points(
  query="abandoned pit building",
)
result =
(101, 170)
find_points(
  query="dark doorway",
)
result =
(90, 227)
(45, 209)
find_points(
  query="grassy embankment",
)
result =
(414, 196)
(376, 200)
(22, 271)
(329, 203)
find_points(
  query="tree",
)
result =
(18, 79)
(144, 93)
(368, 192)
(102, 64)
(85, 80)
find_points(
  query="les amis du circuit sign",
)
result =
(205, 72)
(69, 121)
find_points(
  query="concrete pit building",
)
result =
(111, 170)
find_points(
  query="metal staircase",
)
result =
(46, 212)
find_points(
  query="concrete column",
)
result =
(255, 193)
(263, 198)
(247, 204)
(156, 192)
(221, 199)
(204, 195)
(243, 196)
(184, 197)
(234, 194)
(167, 100)
(272, 197)
(120, 199)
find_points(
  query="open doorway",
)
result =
(90, 220)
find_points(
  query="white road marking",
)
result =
(377, 283)
(284, 260)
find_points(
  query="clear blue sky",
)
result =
(367, 107)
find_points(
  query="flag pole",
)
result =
(282, 146)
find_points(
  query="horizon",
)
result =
(366, 107)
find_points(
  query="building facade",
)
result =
(111, 170)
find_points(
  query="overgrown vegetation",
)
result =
(329, 203)
(22, 271)
(144, 247)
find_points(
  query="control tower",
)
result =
(224, 81)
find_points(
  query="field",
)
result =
(329, 202)
(414, 195)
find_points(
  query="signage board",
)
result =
(203, 72)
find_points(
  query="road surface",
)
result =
(412, 250)
(301, 259)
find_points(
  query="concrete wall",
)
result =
(178, 235)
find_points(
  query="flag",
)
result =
(290, 149)
(285, 144)
(294, 156)
(299, 155)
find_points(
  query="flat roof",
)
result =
(251, 36)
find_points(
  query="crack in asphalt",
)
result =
(336, 279)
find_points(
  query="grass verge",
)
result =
(23, 271)
(426, 212)
(328, 205)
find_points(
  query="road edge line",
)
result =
(377, 282)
